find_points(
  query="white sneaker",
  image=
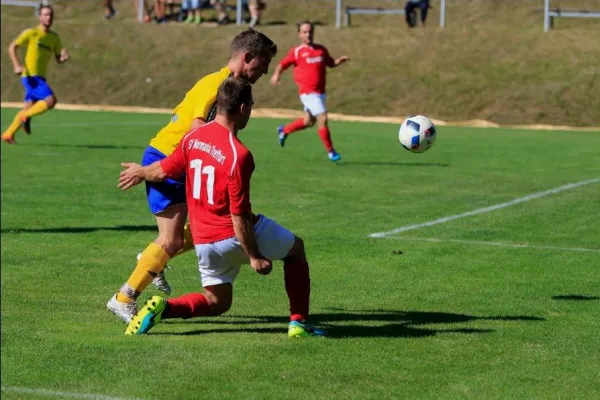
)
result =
(159, 281)
(125, 311)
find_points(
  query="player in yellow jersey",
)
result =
(251, 54)
(42, 44)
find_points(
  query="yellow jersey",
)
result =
(199, 102)
(40, 47)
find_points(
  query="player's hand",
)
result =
(261, 265)
(130, 176)
(344, 59)
(18, 70)
(275, 80)
(64, 55)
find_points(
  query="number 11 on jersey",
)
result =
(209, 171)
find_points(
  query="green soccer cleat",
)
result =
(304, 329)
(147, 317)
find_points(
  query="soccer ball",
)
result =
(417, 134)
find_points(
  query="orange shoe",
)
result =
(9, 139)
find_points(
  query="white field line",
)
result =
(485, 209)
(64, 395)
(498, 244)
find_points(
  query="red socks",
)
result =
(187, 306)
(326, 138)
(294, 126)
(297, 286)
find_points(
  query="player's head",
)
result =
(46, 15)
(306, 32)
(251, 53)
(234, 101)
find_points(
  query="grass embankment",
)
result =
(493, 61)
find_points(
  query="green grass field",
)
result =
(445, 311)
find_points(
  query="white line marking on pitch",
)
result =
(67, 395)
(498, 244)
(485, 209)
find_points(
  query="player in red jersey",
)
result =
(226, 234)
(310, 61)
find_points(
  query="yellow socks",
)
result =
(36, 109)
(152, 262)
(188, 242)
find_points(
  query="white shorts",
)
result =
(220, 262)
(314, 103)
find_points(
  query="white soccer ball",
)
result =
(417, 134)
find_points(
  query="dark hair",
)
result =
(232, 93)
(254, 42)
(305, 22)
(42, 6)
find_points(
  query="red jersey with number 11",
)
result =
(218, 168)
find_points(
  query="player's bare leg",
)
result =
(297, 285)
(27, 123)
(301, 123)
(325, 135)
(171, 223)
(216, 300)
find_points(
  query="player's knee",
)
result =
(323, 120)
(309, 121)
(297, 251)
(218, 304)
(170, 244)
(51, 101)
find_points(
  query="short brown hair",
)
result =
(254, 42)
(232, 93)
(305, 22)
(42, 6)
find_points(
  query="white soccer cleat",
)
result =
(159, 281)
(125, 311)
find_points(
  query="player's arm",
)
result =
(61, 54)
(134, 174)
(241, 213)
(335, 62)
(288, 61)
(171, 167)
(21, 40)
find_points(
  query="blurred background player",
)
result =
(410, 12)
(310, 62)
(42, 43)
(109, 9)
(251, 53)
(218, 169)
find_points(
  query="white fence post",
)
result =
(140, 10)
(442, 13)
(546, 15)
(238, 13)
(338, 13)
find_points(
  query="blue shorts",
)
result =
(36, 88)
(162, 195)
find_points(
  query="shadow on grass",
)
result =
(575, 297)
(85, 229)
(393, 163)
(365, 323)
